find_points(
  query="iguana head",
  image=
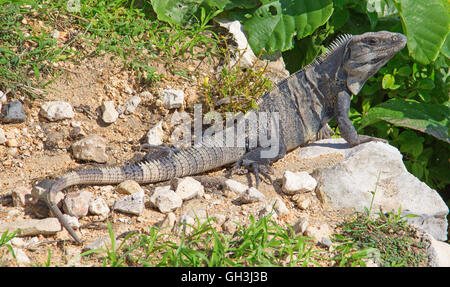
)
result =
(365, 54)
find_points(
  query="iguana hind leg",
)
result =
(155, 152)
(259, 164)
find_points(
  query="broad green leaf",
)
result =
(428, 118)
(388, 81)
(404, 71)
(446, 47)
(274, 24)
(339, 18)
(426, 24)
(175, 12)
(411, 143)
(383, 8)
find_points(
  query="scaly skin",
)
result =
(305, 102)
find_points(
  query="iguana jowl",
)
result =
(305, 102)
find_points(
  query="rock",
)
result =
(128, 90)
(3, 98)
(39, 191)
(77, 203)
(131, 105)
(21, 195)
(18, 242)
(2, 136)
(72, 221)
(90, 148)
(349, 183)
(243, 51)
(56, 110)
(168, 222)
(77, 133)
(301, 225)
(229, 226)
(172, 99)
(325, 147)
(53, 140)
(251, 195)
(55, 34)
(325, 241)
(21, 256)
(102, 243)
(278, 206)
(187, 188)
(131, 204)
(273, 64)
(302, 201)
(13, 113)
(12, 142)
(438, 253)
(190, 219)
(185, 225)
(146, 95)
(109, 113)
(298, 182)
(155, 135)
(165, 199)
(275, 207)
(318, 233)
(28, 227)
(235, 186)
(199, 214)
(219, 218)
(276, 69)
(98, 206)
(129, 187)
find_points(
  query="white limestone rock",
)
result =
(188, 188)
(155, 135)
(349, 183)
(172, 99)
(298, 182)
(109, 112)
(90, 148)
(57, 110)
(251, 195)
(165, 199)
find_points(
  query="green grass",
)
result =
(388, 239)
(28, 51)
(262, 243)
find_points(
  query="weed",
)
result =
(262, 243)
(388, 239)
(30, 49)
(235, 89)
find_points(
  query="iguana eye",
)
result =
(372, 41)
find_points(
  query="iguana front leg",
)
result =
(348, 131)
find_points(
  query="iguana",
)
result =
(305, 102)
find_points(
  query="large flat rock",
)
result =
(349, 183)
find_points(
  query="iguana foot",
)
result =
(324, 133)
(258, 168)
(365, 139)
